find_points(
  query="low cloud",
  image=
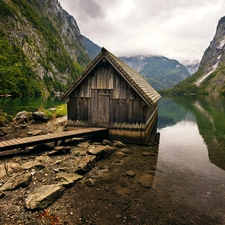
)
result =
(176, 29)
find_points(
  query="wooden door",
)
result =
(100, 112)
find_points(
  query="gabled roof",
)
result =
(134, 79)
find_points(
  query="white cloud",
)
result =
(179, 29)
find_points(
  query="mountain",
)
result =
(159, 71)
(192, 67)
(92, 49)
(41, 48)
(210, 77)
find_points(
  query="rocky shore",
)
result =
(79, 182)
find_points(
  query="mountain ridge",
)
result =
(209, 78)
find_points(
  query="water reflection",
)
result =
(190, 172)
(209, 114)
(13, 105)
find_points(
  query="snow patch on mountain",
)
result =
(201, 79)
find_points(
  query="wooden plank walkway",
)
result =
(40, 139)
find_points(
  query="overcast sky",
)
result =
(177, 29)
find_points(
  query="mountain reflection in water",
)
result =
(191, 160)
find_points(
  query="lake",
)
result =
(190, 171)
(189, 180)
(13, 105)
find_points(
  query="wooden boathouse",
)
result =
(111, 95)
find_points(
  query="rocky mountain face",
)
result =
(209, 79)
(161, 72)
(92, 49)
(41, 48)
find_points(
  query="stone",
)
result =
(120, 154)
(33, 164)
(146, 180)
(118, 144)
(130, 173)
(83, 145)
(101, 152)
(7, 130)
(90, 182)
(9, 169)
(34, 132)
(43, 196)
(39, 116)
(17, 181)
(68, 178)
(60, 150)
(85, 164)
(22, 117)
(106, 142)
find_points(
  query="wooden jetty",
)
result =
(53, 137)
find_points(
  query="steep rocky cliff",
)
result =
(210, 77)
(161, 72)
(41, 48)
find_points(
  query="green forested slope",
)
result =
(41, 48)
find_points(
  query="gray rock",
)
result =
(68, 178)
(39, 116)
(101, 152)
(23, 117)
(146, 180)
(85, 164)
(43, 196)
(17, 181)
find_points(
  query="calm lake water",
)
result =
(190, 171)
(13, 105)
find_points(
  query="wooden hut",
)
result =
(110, 94)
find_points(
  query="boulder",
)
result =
(101, 152)
(40, 117)
(43, 196)
(68, 178)
(22, 180)
(22, 117)
(85, 164)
